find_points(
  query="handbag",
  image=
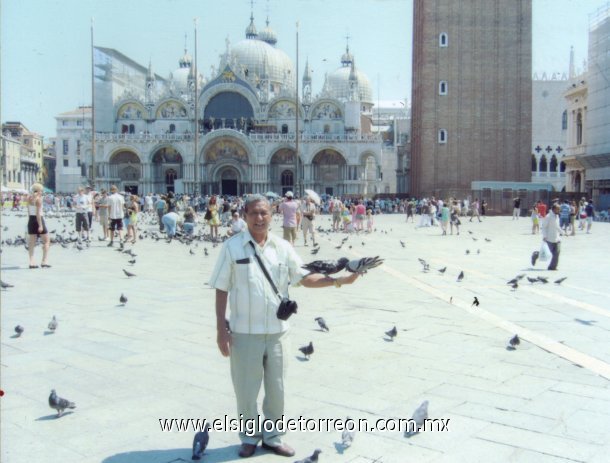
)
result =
(545, 252)
(208, 215)
(286, 307)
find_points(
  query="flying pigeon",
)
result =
(53, 324)
(59, 404)
(514, 341)
(129, 274)
(200, 442)
(19, 330)
(123, 299)
(311, 459)
(535, 255)
(363, 265)
(326, 267)
(322, 324)
(6, 285)
(307, 350)
(419, 418)
(475, 302)
(347, 437)
(442, 270)
(392, 333)
(561, 280)
(460, 276)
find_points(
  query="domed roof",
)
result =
(180, 76)
(260, 58)
(337, 84)
(268, 35)
(251, 29)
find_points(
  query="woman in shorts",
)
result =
(36, 226)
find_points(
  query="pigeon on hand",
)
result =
(19, 330)
(123, 299)
(460, 276)
(363, 265)
(321, 324)
(475, 302)
(200, 442)
(59, 404)
(311, 459)
(326, 267)
(129, 274)
(392, 333)
(53, 324)
(307, 350)
(561, 280)
(5, 285)
(418, 419)
(514, 341)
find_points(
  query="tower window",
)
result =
(564, 120)
(442, 87)
(443, 40)
(442, 136)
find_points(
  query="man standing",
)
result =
(289, 209)
(590, 210)
(335, 206)
(116, 204)
(516, 208)
(307, 223)
(82, 206)
(551, 231)
(564, 216)
(257, 341)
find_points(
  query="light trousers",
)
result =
(256, 358)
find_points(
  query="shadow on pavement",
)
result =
(219, 455)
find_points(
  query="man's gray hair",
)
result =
(255, 198)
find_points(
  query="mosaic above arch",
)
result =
(171, 110)
(326, 110)
(225, 149)
(131, 111)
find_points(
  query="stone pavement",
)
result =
(127, 367)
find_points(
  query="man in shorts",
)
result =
(82, 203)
(116, 204)
(289, 209)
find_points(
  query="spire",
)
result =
(251, 29)
(347, 57)
(185, 61)
(307, 72)
(572, 72)
(150, 75)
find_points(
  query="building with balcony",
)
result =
(72, 149)
(241, 129)
(25, 169)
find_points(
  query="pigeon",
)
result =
(469, 232)
(6, 285)
(418, 419)
(322, 324)
(315, 251)
(475, 302)
(392, 333)
(515, 285)
(545, 280)
(326, 267)
(307, 350)
(532, 280)
(59, 404)
(535, 255)
(132, 261)
(311, 459)
(205, 251)
(129, 274)
(191, 252)
(19, 330)
(53, 324)
(402, 243)
(123, 299)
(467, 251)
(488, 240)
(478, 251)
(363, 265)
(200, 442)
(442, 270)
(513, 281)
(475, 239)
(347, 437)
(561, 280)
(460, 276)
(514, 341)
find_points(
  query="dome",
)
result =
(251, 29)
(268, 35)
(181, 75)
(260, 58)
(337, 84)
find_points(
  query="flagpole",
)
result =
(196, 135)
(93, 166)
(296, 159)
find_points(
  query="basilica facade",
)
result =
(238, 130)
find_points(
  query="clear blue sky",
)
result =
(46, 55)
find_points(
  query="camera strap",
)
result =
(264, 269)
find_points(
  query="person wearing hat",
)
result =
(290, 210)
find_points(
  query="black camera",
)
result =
(286, 309)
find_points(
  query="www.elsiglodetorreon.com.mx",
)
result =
(255, 426)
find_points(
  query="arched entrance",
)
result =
(329, 170)
(167, 168)
(229, 181)
(125, 168)
(281, 170)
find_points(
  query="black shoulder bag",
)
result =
(287, 307)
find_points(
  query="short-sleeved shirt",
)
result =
(83, 203)
(115, 206)
(103, 201)
(289, 210)
(252, 302)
